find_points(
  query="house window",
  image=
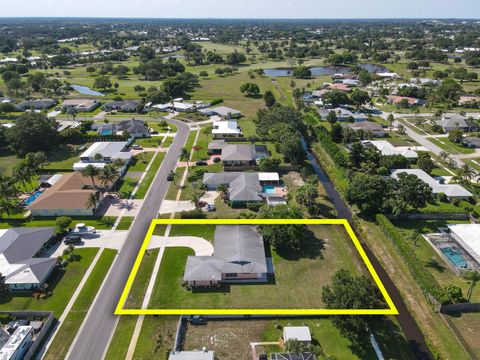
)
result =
(231, 275)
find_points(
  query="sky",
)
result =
(319, 9)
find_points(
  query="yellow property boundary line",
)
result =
(391, 310)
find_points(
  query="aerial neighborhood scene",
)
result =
(248, 180)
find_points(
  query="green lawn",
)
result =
(135, 297)
(147, 181)
(63, 285)
(329, 250)
(449, 146)
(126, 186)
(72, 323)
(119, 345)
(140, 161)
(152, 142)
(102, 223)
(125, 223)
(63, 158)
(156, 337)
(167, 142)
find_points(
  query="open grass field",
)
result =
(62, 284)
(328, 250)
(72, 323)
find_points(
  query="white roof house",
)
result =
(183, 106)
(468, 236)
(226, 128)
(301, 333)
(388, 149)
(102, 153)
(17, 344)
(451, 190)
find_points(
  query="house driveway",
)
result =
(102, 239)
(201, 246)
(116, 206)
(170, 206)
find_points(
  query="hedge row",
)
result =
(424, 279)
(331, 148)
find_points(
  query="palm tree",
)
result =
(91, 201)
(7, 189)
(444, 155)
(108, 175)
(467, 172)
(23, 174)
(473, 276)
(92, 172)
(223, 190)
(6, 206)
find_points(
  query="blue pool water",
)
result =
(455, 257)
(269, 189)
(106, 132)
(32, 197)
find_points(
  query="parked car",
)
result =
(216, 159)
(210, 207)
(137, 147)
(170, 177)
(154, 132)
(201, 163)
(198, 320)
(73, 239)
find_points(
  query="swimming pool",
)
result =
(455, 256)
(269, 189)
(106, 132)
(32, 197)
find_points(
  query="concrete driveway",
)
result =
(103, 238)
(170, 206)
(201, 246)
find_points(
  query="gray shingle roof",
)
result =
(238, 152)
(243, 186)
(18, 244)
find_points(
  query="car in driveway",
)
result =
(201, 163)
(137, 147)
(210, 207)
(73, 239)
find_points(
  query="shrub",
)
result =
(339, 158)
(442, 197)
(193, 214)
(382, 171)
(254, 206)
(455, 202)
(216, 101)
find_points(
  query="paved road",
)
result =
(409, 327)
(96, 332)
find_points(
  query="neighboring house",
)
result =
(135, 128)
(386, 148)
(122, 105)
(341, 87)
(387, 75)
(468, 100)
(471, 142)
(368, 126)
(222, 111)
(192, 355)
(456, 121)
(397, 100)
(248, 187)
(67, 197)
(182, 106)
(226, 128)
(300, 333)
(234, 154)
(19, 266)
(42, 104)
(18, 344)
(453, 191)
(239, 254)
(100, 154)
(286, 356)
(425, 81)
(343, 114)
(80, 105)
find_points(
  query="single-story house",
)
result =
(19, 266)
(239, 254)
(49, 180)
(319, 93)
(411, 101)
(67, 197)
(425, 81)
(122, 105)
(135, 128)
(341, 87)
(468, 100)
(80, 105)
(453, 191)
(471, 142)
(18, 344)
(101, 153)
(192, 355)
(226, 128)
(222, 111)
(42, 104)
(300, 333)
(456, 121)
(468, 237)
(387, 75)
(234, 154)
(247, 187)
(183, 106)
(368, 126)
(387, 148)
(343, 114)
(290, 356)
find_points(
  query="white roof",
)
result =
(301, 333)
(105, 148)
(387, 74)
(468, 236)
(182, 105)
(17, 273)
(268, 176)
(451, 190)
(54, 179)
(388, 149)
(225, 127)
(14, 342)
(78, 166)
(191, 355)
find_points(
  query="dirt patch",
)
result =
(230, 340)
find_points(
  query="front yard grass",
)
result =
(125, 223)
(449, 146)
(147, 181)
(156, 337)
(152, 142)
(329, 250)
(63, 285)
(72, 323)
(140, 161)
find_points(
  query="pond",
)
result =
(326, 70)
(86, 90)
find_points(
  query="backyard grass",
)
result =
(125, 223)
(63, 158)
(72, 323)
(147, 181)
(328, 250)
(63, 285)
